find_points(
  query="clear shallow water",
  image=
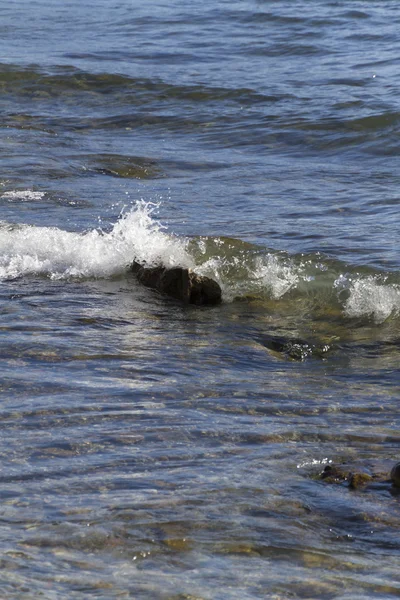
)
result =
(150, 450)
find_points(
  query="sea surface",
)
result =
(157, 451)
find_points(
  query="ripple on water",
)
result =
(152, 450)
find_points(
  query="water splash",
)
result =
(22, 195)
(311, 284)
(372, 297)
(60, 254)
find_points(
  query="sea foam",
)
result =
(60, 254)
(241, 271)
(22, 195)
(370, 298)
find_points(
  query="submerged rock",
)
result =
(117, 165)
(294, 348)
(335, 473)
(359, 479)
(344, 474)
(179, 283)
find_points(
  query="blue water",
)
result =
(155, 450)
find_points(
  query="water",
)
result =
(160, 451)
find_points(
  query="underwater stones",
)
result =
(179, 283)
(131, 167)
(359, 479)
(343, 474)
(335, 474)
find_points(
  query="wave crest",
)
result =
(61, 254)
(370, 297)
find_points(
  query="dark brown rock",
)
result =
(294, 348)
(395, 475)
(359, 480)
(179, 283)
(335, 473)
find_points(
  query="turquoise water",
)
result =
(160, 451)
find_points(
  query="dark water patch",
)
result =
(100, 322)
(26, 122)
(372, 134)
(323, 24)
(44, 167)
(270, 133)
(39, 86)
(185, 167)
(274, 130)
(371, 37)
(370, 123)
(355, 14)
(169, 58)
(287, 49)
(117, 165)
(376, 63)
(35, 79)
(125, 121)
(64, 166)
(270, 17)
(376, 122)
(350, 82)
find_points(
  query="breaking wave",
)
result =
(373, 298)
(60, 254)
(243, 270)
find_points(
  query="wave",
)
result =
(301, 284)
(60, 254)
(371, 296)
(277, 118)
(305, 283)
(67, 81)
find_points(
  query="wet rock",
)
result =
(179, 283)
(335, 473)
(344, 474)
(294, 348)
(395, 475)
(359, 480)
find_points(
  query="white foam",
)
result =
(276, 276)
(312, 462)
(61, 254)
(371, 298)
(22, 195)
(263, 274)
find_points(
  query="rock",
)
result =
(335, 474)
(294, 348)
(179, 283)
(359, 480)
(342, 474)
(395, 475)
